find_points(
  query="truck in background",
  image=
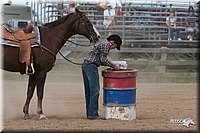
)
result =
(16, 15)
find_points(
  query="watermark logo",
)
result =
(185, 122)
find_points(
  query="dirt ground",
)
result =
(64, 105)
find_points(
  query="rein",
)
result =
(59, 51)
(43, 47)
(69, 60)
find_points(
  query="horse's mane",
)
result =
(57, 22)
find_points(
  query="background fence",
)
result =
(143, 30)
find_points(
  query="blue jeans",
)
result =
(174, 30)
(91, 84)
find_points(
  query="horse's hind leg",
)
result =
(30, 91)
(41, 77)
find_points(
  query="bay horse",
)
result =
(53, 36)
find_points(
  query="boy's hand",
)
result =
(117, 67)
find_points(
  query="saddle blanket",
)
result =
(7, 42)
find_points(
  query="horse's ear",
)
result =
(77, 10)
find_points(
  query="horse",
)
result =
(53, 36)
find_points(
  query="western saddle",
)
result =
(23, 38)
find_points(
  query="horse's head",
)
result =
(84, 27)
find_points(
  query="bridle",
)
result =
(87, 29)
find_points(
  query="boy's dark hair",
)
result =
(116, 38)
(190, 7)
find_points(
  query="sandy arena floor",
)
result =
(64, 105)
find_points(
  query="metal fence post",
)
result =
(163, 59)
(123, 29)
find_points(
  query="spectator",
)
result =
(127, 17)
(115, 4)
(102, 4)
(198, 22)
(171, 23)
(71, 8)
(191, 24)
(109, 16)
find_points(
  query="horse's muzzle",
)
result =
(94, 39)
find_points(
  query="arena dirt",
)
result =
(64, 105)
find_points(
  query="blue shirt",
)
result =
(191, 19)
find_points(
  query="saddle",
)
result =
(23, 38)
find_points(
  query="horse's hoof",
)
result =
(42, 116)
(26, 117)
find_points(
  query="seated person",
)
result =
(191, 23)
(115, 4)
(109, 16)
(171, 22)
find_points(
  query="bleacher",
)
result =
(144, 27)
(144, 34)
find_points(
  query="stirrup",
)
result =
(30, 69)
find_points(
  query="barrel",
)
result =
(119, 94)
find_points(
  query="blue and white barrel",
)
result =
(119, 94)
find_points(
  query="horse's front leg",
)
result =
(30, 91)
(41, 77)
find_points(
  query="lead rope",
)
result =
(69, 60)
